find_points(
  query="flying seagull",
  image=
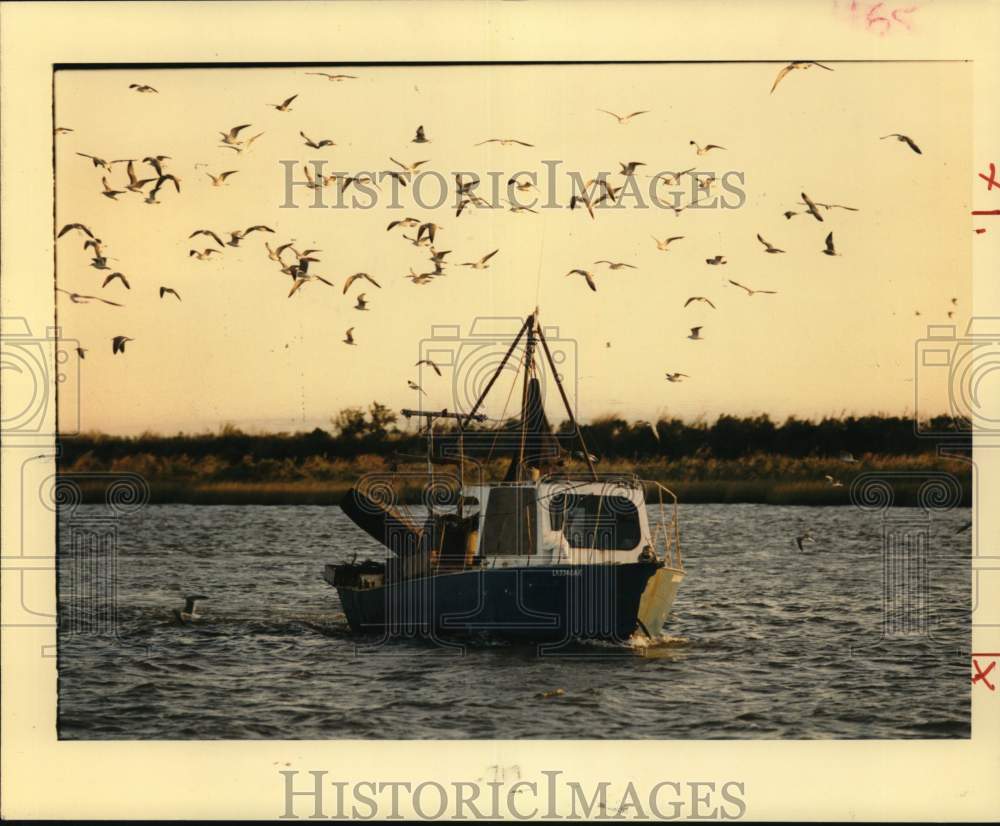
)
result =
(333, 78)
(230, 138)
(420, 137)
(188, 615)
(433, 366)
(505, 142)
(285, 105)
(664, 245)
(408, 167)
(811, 207)
(695, 334)
(362, 303)
(902, 138)
(834, 483)
(349, 336)
(134, 183)
(351, 279)
(481, 264)
(202, 255)
(801, 540)
(616, 265)
(316, 144)
(796, 64)
(699, 298)
(768, 247)
(120, 277)
(718, 259)
(108, 191)
(142, 87)
(830, 249)
(623, 119)
(118, 344)
(220, 179)
(302, 279)
(583, 199)
(752, 292)
(171, 290)
(430, 229)
(241, 146)
(588, 276)
(77, 298)
(675, 377)
(99, 162)
(630, 167)
(701, 150)
(79, 227)
(405, 222)
(414, 386)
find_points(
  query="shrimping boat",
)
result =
(541, 554)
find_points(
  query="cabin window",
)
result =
(509, 526)
(605, 523)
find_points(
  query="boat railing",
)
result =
(669, 529)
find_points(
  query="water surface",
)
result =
(766, 641)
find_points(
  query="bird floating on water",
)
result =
(187, 614)
(420, 137)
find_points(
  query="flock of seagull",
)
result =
(153, 176)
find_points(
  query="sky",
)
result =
(838, 336)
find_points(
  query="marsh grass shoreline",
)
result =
(906, 492)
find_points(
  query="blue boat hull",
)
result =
(530, 603)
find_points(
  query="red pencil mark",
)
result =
(981, 675)
(991, 179)
(880, 18)
(986, 212)
(980, 230)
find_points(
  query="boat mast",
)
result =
(532, 328)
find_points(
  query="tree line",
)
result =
(355, 432)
